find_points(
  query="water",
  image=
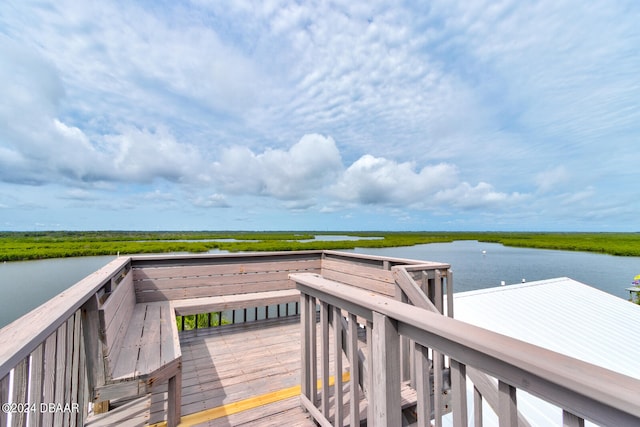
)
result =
(25, 285)
(475, 269)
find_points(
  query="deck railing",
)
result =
(43, 368)
(582, 390)
(43, 359)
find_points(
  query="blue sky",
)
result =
(333, 115)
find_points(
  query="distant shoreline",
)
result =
(20, 246)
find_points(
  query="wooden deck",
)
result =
(250, 373)
(226, 369)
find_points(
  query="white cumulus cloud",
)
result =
(377, 180)
(308, 166)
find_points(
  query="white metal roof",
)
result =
(562, 315)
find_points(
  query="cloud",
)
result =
(377, 180)
(551, 179)
(304, 169)
(211, 201)
(482, 195)
(142, 155)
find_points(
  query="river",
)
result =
(25, 285)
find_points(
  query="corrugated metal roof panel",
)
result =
(562, 315)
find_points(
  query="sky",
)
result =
(320, 115)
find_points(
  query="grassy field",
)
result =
(16, 246)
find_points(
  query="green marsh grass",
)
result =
(15, 246)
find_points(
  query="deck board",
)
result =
(225, 365)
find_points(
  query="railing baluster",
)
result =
(48, 390)
(570, 420)
(507, 405)
(369, 378)
(438, 387)
(423, 385)
(4, 398)
(354, 395)
(75, 368)
(35, 385)
(20, 386)
(82, 378)
(449, 276)
(459, 391)
(337, 352)
(477, 407)
(324, 357)
(305, 337)
(386, 371)
(61, 345)
(314, 350)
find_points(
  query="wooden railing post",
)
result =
(337, 352)
(507, 405)
(305, 338)
(423, 385)
(386, 371)
(459, 391)
(570, 420)
(354, 394)
(324, 356)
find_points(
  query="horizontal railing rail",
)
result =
(582, 390)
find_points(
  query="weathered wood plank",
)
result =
(149, 347)
(4, 397)
(377, 286)
(83, 395)
(112, 306)
(169, 338)
(48, 389)
(358, 270)
(115, 322)
(246, 268)
(227, 282)
(190, 306)
(75, 367)
(61, 361)
(212, 290)
(68, 369)
(122, 362)
(20, 388)
(36, 380)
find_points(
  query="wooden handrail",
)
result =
(583, 389)
(23, 335)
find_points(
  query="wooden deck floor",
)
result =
(229, 365)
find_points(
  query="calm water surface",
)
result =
(478, 265)
(25, 285)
